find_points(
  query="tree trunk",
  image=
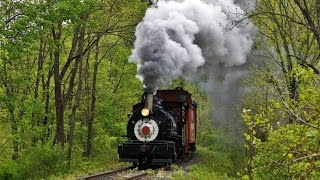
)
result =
(58, 87)
(35, 117)
(79, 60)
(14, 131)
(46, 96)
(9, 101)
(93, 103)
(86, 99)
(61, 99)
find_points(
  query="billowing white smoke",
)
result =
(200, 40)
(190, 39)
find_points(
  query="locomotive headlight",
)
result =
(145, 112)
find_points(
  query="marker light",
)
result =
(145, 112)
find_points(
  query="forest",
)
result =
(67, 87)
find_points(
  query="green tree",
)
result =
(282, 140)
(64, 70)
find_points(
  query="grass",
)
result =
(213, 165)
(90, 167)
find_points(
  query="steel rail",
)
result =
(138, 176)
(104, 175)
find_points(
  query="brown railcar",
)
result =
(180, 102)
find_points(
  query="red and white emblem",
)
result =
(146, 130)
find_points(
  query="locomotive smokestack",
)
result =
(149, 101)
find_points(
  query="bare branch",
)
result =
(298, 118)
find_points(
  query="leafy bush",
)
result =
(8, 170)
(218, 147)
(40, 162)
(290, 147)
(289, 153)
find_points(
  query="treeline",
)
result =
(64, 77)
(67, 86)
(282, 103)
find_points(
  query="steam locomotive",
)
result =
(161, 129)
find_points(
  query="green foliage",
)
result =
(288, 156)
(282, 109)
(290, 148)
(8, 170)
(202, 172)
(115, 103)
(281, 115)
(106, 144)
(212, 165)
(40, 162)
(27, 89)
(216, 161)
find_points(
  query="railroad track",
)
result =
(136, 177)
(114, 174)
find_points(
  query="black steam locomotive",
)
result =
(161, 129)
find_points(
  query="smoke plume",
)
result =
(178, 37)
(206, 41)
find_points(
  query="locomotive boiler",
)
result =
(161, 129)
